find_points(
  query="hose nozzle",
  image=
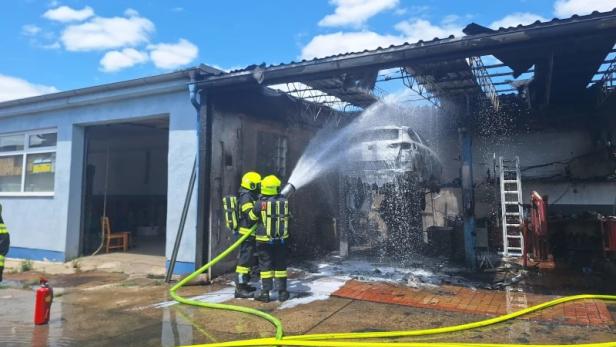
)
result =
(288, 190)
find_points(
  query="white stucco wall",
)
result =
(533, 148)
(559, 142)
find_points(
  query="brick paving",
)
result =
(478, 301)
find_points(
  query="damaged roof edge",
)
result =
(168, 82)
(470, 45)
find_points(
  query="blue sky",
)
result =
(66, 44)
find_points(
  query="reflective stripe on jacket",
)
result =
(246, 201)
(244, 231)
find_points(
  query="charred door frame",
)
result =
(204, 186)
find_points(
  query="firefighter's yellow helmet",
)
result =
(251, 180)
(270, 185)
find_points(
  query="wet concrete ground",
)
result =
(111, 309)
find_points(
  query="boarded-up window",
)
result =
(272, 154)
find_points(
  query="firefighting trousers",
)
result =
(272, 264)
(245, 260)
(5, 242)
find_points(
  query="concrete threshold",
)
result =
(128, 263)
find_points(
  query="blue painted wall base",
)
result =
(181, 267)
(35, 254)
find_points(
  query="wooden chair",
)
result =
(111, 237)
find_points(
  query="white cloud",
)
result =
(516, 19)
(67, 14)
(450, 19)
(30, 30)
(400, 11)
(118, 60)
(421, 29)
(126, 40)
(16, 88)
(419, 10)
(101, 33)
(409, 31)
(131, 12)
(173, 55)
(37, 37)
(341, 42)
(53, 45)
(355, 12)
(567, 8)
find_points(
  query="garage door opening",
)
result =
(126, 182)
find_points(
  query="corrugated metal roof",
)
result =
(181, 75)
(536, 24)
(518, 47)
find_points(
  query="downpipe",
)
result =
(193, 91)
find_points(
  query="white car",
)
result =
(381, 154)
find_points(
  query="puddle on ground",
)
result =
(109, 313)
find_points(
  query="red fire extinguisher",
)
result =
(42, 307)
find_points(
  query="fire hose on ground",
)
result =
(275, 321)
(329, 339)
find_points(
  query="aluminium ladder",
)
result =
(511, 206)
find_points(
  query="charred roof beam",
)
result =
(485, 82)
(315, 97)
(449, 80)
(356, 89)
(498, 42)
(420, 87)
(607, 82)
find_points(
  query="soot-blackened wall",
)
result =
(256, 132)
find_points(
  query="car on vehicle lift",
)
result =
(382, 154)
(389, 169)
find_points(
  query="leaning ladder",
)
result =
(511, 206)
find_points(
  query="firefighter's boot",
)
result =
(281, 284)
(263, 296)
(283, 295)
(242, 291)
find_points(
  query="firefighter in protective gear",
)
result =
(271, 236)
(5, 242)
(248, 194)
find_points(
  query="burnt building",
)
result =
(542, 93)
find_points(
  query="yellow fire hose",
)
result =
(275, 321)
(317, 343)
(328, 339)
